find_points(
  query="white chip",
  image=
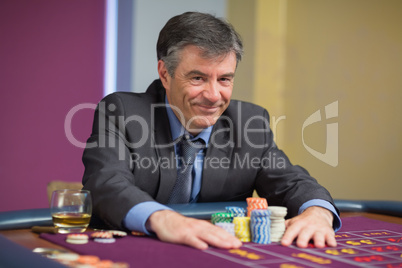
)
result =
(67, 256)
(77, 241)
(105, 240)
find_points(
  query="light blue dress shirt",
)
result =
(138, 215)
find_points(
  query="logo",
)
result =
(330, 156)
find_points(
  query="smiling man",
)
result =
(200, 89)
(184, 141)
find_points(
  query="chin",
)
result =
(202, 124)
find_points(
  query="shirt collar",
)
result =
(177, 129)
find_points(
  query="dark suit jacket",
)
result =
(130, 158)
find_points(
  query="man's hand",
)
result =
(314, 223)
(173, 227)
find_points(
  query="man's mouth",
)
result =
(208, 108)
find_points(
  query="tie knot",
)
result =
(189, 149)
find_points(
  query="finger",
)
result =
(220, 238)
(304, 237)
(290, 234)
(195, 242)
(331, 241)
(319, 240)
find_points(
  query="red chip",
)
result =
(101, 235)
(137, 233)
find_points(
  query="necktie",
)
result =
(182, 189)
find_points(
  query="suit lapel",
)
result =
(220, 147)
(164, 147)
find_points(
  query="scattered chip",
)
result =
(77, 238)
(118, 233)
(49, 252)
(121, 265)
(101, 235)
(137, 233)
(105, 240)
(67, 256)
(105, 264)
(88, 259)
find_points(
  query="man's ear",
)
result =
(163, 74)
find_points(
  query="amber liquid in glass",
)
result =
(68, 222)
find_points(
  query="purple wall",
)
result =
(51, 59)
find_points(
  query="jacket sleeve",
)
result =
(285, 184)
(108, 165)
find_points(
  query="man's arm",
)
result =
(315, 223)
(108, 167)
(285, 184)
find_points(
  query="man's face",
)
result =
(201, 88)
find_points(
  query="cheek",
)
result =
(192, 94)
(226, 94)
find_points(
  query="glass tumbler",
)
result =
(71, 210)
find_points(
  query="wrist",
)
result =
(155, 218)
(321, 212)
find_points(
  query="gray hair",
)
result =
(214, 36)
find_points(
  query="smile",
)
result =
(208, 109)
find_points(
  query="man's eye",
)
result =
(225, 79)
(198, 79)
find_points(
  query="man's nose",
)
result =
(212, 92)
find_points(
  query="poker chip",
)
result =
(120, 265)
(88, 259)
(77, 238)
(102, 235)
(135, 233)
(104, 264)
(277, 222)
(257, 200)
(49, 252)
(227, 226)
(277, 211)
(236, 211)
(255, 203)
(67, 257)
(221, 217)
(260, 226)
(242, 228)
(105, 240)
(117, 233)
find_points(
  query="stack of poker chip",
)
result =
(221, 217)
(236, 211)
(255, 203)
(77, 238)
(242, 228)
(223, 220)
(103, 237)
(277, 222)
(260, 226)
(227, 226)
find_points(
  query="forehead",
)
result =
(192, 56)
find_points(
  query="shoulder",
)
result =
(138, 101)
(243, 110)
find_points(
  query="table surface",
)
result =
(28, 239)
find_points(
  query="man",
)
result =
(134, 158)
